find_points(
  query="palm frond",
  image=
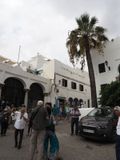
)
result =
(100, 30)
(85, 18)
(79, 23)
(83, 22)
(93, 43)
(71, 44)
(72, 38)
(93, 22)
(82, 62)
(102, 38)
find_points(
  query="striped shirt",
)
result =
(75, 113)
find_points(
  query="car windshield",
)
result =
(100, 112)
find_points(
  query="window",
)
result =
(101, 67)
(88, 103)
(64, 82)
(73, 85)
(81, 102)
(103, 86)
(81, 87)
(101, 112)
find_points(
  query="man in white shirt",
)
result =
(21, 119)
(117, 112)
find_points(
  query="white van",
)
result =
(84, 111)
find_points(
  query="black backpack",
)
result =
(33, 115)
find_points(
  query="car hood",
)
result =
(95, 121)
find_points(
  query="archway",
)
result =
(81, 102)
(76, 102)
(70, 101)
(13, 92)
(35, 94)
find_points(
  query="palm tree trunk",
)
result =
(91, 74)
(119, 72)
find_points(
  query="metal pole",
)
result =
(18, 54)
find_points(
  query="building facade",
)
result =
(106, 64)
(67, 84)
(42, 78)
(20, 87)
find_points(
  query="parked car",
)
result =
(100, 123)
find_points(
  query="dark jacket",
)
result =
(51, 125)
(40, 118)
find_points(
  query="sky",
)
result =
(42, 26)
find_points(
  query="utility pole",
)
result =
(18, 54)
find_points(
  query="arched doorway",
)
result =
(81, 102)
(35, 94)
(76, 102)
(70, 101)
(13, 92)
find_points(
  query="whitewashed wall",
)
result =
(112, 55)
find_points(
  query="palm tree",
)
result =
(80, 42)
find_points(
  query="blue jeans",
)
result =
(117, 147)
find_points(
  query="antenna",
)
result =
(18, 54)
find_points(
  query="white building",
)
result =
(18, 86)
(42, 78)
(106, 64)
(68, 84)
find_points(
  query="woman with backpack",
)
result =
(51, 140)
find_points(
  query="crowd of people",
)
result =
(44, 144)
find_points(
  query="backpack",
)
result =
(33, 115)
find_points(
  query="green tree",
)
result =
(110, 95)
(81, 40)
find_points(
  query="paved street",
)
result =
(71, 147)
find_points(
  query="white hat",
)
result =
(40, 103)
(117, 108)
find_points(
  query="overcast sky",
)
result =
(42, 25)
